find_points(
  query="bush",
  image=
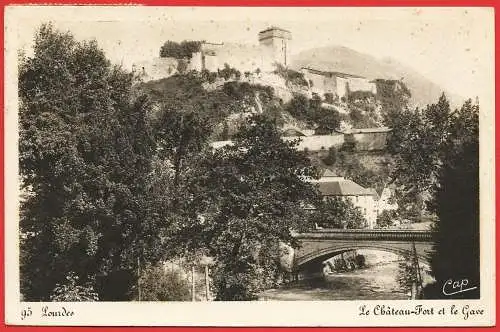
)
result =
(386, 218)
(349, 146)
(329, 97)
(72, 292)
(331, 158)
(182, 66)
(361, 96)
(181, 50)
(360, 260)
(158, 284)
(290, 75)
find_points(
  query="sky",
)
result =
(454, 47)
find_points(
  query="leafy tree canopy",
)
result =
(253, 196)
(85, 154)
(182, 50)
(336, 212)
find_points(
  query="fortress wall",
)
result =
(211, 63)
(321, 84)
(318, 142)
(196, 62)
(156, 68)
(361, 84)
(341, 87)
(239, 56)
(315, 143)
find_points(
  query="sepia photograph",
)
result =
(267, 155)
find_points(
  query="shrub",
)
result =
(158, 284)
(331, 158)
(181, 50)
(182, 66)
(349, 146)
(329, 97)
(386, 218)
(70, 291)
(360, 260)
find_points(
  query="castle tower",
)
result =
(277, 40)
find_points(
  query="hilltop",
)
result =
(343, 59)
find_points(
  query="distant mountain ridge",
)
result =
(346, 60)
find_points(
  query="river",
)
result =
(378, 281)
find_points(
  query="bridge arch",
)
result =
(329, 252)
(319, 245)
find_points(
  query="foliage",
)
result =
(327, 120)
(331, 158)
(349, 145)
(311, 112)
(228, 72)
(251, 194)
(162, 284)
(70, 291)
(436, 160)
(406, 272)
(329, 98)
(182, 66)
(416, 144)
(364, 96)
(182, 50)
(386, 218)
(347, 164)
(85, 153)
(394, 97)
(336, 212)
(363, 115)
(456, 203)
(290, 75)
(360, 260)
(187, 92)
(298, 107)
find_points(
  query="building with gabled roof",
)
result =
(331, 185)
(335, 83)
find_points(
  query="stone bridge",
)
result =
(320, 245)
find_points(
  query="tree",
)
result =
(298, 107)
(456, 203)
(161, 284)
(436, 161)
(182, 66)
(336, 212)
(386, 218)
(416, 145)
(85, 154)
(331, 158)
(253, 196)
(327, 120)
(71, 291)
(182, 50)
(394, 97)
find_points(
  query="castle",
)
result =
(273, 48)
(259, 61)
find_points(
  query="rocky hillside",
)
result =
(346, 60)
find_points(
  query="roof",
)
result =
(366, 130)
(343, 188)
(273, 28)
(330, 73)
(292, 132)
(328, 173)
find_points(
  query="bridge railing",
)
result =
(368, 234)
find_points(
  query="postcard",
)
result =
(249, 166)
